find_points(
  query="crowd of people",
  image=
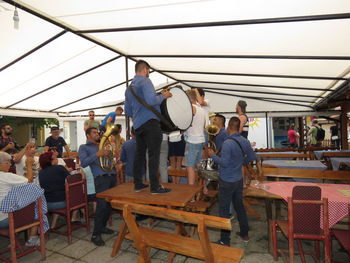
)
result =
(145, 157)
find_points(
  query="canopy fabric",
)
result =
(68, 57)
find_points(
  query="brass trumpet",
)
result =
(108, 162)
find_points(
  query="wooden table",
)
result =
(180, 195)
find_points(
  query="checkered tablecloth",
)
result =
(337, 201)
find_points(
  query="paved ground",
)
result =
(82, 250)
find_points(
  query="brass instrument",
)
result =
(212, 130)
(108, 162)
(208, 164)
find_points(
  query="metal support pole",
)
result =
(267, 130)
(127, 119)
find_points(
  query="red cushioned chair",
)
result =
(22, 220)
(343, 237)
(305, 210)
(76, 199)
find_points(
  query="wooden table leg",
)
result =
(117, 243)
(268, 207)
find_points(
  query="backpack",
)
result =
(320, 134)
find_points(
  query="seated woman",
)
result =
(7, 181)
(52, 179)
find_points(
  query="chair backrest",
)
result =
(336, 154)
(172, 214)
(26, 216)
(70, 163)
(307, 212)
(76, 191)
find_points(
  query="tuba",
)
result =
(212, 130)
(107, 143)
(208, 164)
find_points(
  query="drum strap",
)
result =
(144, 103)
(240, 146)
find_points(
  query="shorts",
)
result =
(193, 154)
(177, 148)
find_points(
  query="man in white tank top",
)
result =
(195, 137)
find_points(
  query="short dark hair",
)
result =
(91, 111)
(141, 64)
(234, 123)
(89, 130)
(119, 108)
(201, 91)
(222, 118)
(243, 105)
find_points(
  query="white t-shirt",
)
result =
(7, 181)
(196, 134)
(21, 168)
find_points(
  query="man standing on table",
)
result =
(147, 127)
(236, 152)
(89, 155)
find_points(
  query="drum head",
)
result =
(179, 109)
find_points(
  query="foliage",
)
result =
(37, 122)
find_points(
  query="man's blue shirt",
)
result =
(144, 88)
(87, 155)
(111, 114)
(232, 158)
(127, 157)
(220, 138)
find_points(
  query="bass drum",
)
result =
(177, 110)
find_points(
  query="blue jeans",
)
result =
(232, 192)
(4, 223)
(56, 205)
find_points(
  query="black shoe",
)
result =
(219, 242)
(140, 188)
(245, 239)
(160, 190)
(107, 231)
(97, 240)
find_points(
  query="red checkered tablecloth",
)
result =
(337, 201)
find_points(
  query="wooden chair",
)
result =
(22, 220)
(305, 210)
(145, 238)
(343, 237)
(70, 163)
(76, 199)
(277, 150)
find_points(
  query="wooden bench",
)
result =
(145, 238)
(278, 173)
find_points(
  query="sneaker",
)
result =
(140, 188)
(219, 242)
(232, 216)
(33, 242)
(244, 238)
(97, 240)
(160, 190)
(107, 231)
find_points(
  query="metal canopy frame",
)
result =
(83, 34)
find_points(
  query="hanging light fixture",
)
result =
(15, 19)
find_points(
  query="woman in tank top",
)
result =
(241, 111)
